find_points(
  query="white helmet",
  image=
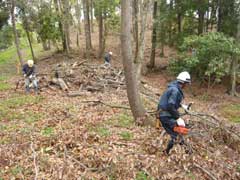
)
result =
(184, 77)
(111, 53)
(30, 63)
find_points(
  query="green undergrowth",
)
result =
(11, 108)
(141, 175)
(127, 136)
(231, 112)
(4, 85)
(100, 129)
(123, 120)
(47, 131)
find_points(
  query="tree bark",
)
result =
(87, 27)
(16, 39)
(141, 68)
(201, 13)
(100, 29)
(154, 36)
(170, 25)
(220, 14)
(78, 16)
(129, 67)
(61, 28)
(30, 44)
(135, 12)
(91, 13)
(26, 27)
(235, 65)
(179, 15)
(234, 75)
(66, 26)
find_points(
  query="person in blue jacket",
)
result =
(107, 58)
(29, 73)
(168, 106)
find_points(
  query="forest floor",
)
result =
(53, 136)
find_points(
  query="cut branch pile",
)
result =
(80, 78)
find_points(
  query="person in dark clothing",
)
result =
(107, 58)
(29, 73)
(168, 106)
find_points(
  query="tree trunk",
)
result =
(87, 27)
(200, 21)
(30, 44)
(100, 29)
(220, 14)
(213, 15)
(207, 20)
(58, 10)
(26, 27)
(179, 15)
(91, 13)
(135, 11)
(16, 39)
(129, 67)
(66, 27)
(141, 67)
(78, 16)
(235, 65)
(154, 36)
(170, 24)
(234, 75)
(179, 22)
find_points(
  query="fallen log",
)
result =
(60, 82)
(78, 93)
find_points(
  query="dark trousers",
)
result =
(168, 124)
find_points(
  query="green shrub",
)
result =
(209, 55)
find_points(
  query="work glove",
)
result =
(180, 122)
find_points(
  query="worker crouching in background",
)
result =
(29, 73)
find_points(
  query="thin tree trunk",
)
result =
(30, 44)
(208, 13)
(213, 15)
(154, 36)
(170, 24)
(58, 10)
(78, 39)
(201, 13)
(26, 27)
(234, 75)
(66, 26)
(135, 11)
(87, 27)
(179, 22)
(16, 39)
(100, 29)
(91, 13)
(129, 67)
(235, 65)
(219, 22)
(78, 15)
(179, 15)
(141, 68)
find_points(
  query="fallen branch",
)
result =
(106, 104)
(205, 171)
(78, 93)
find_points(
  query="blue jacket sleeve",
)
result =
(172, 100)
(24, 69)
